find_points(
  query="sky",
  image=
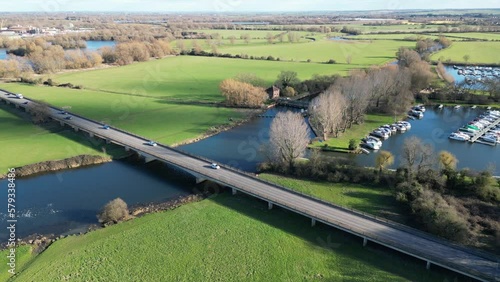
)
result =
(237, 5)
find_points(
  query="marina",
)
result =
(484, 129)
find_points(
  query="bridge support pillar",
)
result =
(17, 106)
(234, 191)
(313, 222)
(127, 149)
(428, 265)
(269, 205)
(365, 241)
(91, 135)
(200, 180)
(108, 141)
(76, 129)
(61, 123)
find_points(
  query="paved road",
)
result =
(405, 240)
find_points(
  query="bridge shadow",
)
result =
(348, 259)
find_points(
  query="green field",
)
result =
(188, 78)
(162, 121)
(395, 36)
(23, 256)
(363, 53)
(356, 132)
(17, 136)
(223, 239)
(373, 200)
(479, 52)
(473, 35)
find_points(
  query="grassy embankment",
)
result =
(225, 238)
(23, 257)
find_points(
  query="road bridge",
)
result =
(432, 250)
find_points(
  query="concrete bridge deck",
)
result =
(472, 263)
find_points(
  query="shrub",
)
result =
(113, 212)
(331, 61)
(353, 144)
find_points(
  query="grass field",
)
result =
(363, 53)
(395, 36)
(23, 256)
(17, 136)
(223, 239)
(162, 121)
(479, 52)
(187, 77)
(373, 200)
(474, 35)
(356, 132)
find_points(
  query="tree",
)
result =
(40, 112)
(289, 92)
(113, 212)
(232, 39)
(348, 59)
(407, 57)
(242, 94)
(287, 78)
(327, 111)
(383, 160)
(270, 38)
(416, 155)
(289, 137)
(466, 58)
(447, 160)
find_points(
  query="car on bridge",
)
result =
(68, 117)
(63, 112)
(214, 166)
(151, 143)
(105, 127)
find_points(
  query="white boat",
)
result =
(489, 138)
(405, 124)
(364, 151)
(440, 107)
(459, 136)
(372, 145)
(457, 107)
(417, 114)
(381, 134)
(474, 106)
(372, 139)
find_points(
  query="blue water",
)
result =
(69, 201)
(434, 129)
(95, 45)
(91, 46)
(240, 147)
(460, 78)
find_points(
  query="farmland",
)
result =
(479, 52)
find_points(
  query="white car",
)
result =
(151, 143)
(214, 166)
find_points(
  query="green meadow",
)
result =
(24, 143)
(479, 52)
(363, 53)
(226, 238)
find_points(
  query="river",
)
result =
(91, 46)
(68, 201)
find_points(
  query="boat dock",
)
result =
(476, 137)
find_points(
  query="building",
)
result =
(273, 92)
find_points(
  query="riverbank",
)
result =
(57, 165)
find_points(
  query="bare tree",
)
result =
(232, 39)
(270, 38)
(289, 137)
(466, 58)
(416, 155)
(113, 212)
(348, 59)
(327, 111)
(357, 95)
(242, 94)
